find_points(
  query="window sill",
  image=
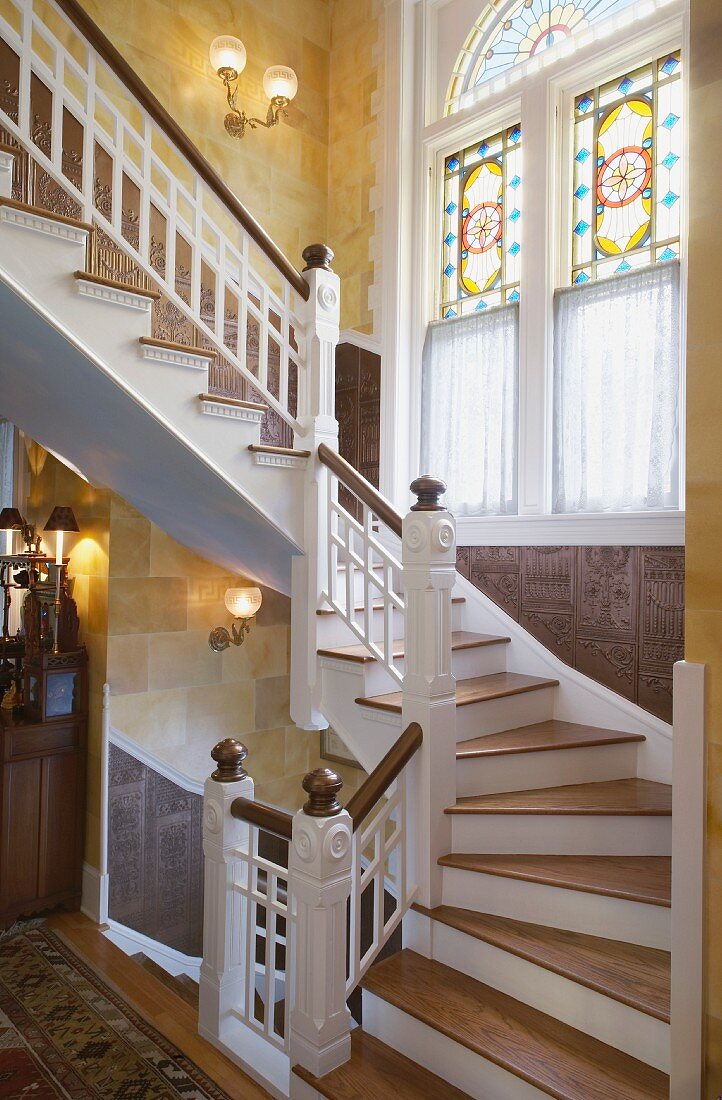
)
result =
(589, 529)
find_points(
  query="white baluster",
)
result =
(320, 885)
(7, 162)
(222, 976)
(318, 424)
(429, 687)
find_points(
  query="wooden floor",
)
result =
(166, 1011)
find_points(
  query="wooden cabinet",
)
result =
(42, 811)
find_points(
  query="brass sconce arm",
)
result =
(220, 639)
(236, 120)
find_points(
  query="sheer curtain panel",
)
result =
(616, 393)
(469, 410)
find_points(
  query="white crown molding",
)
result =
(360, 340)
(29, 219)
(128, 298)
(155, 353)
(611, 529)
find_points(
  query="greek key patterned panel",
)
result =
(616, 613)
(155, 855)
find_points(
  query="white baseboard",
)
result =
(94, 901)
(131, 942)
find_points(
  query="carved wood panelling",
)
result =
(616, 613)
(358, 410)
(155, 855)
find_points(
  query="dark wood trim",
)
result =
(235, 402)
(358, 485)
(269, 449)
(372, 789)
(265, 817)
(180, 139)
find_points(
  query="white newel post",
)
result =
(320, 885)
(429, 687)
(317, 417)
(222, 973)
(7, 163)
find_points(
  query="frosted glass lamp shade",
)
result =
(279, 81)
(243, 603)
(227, 52)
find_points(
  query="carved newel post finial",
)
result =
(428, 490)
(322, 787)
(229, 756)
(317, 255)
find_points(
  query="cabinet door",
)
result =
(22, 792)
(61, 804)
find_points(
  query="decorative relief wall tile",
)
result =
(554, 629)
(547, 577)
(606, 605)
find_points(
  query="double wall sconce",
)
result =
(280, 83)
(243, 604)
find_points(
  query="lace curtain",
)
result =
(616, 392)
(6, 467)
(469, 410)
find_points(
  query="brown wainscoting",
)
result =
(615, 613)
(155, 855)
(358, 409)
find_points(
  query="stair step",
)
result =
(631, 974)
(379, 606)
(460, 639)
(40, 211)
(115, 284)
(646, 879)
(375, 1071)
(617, 797)
(183, 349)
(542, 737)
(236, 403)
(479, 689)
(552, 1056)
(181, 984)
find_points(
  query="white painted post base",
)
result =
(7, 163)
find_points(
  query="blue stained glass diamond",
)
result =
(670, 65)
(670, 160)
(514, 296)
(626, 85)
(515, 249)
(582, 156)
(515, 215)
(449, 270)
(449, 238)
(624, 266)
(669, 199)
(449, 313)
(581, 227)
(452, 164)
(451, 208)
(581, 192)
(584, 104)
(483, 149)
(515, 134)
(582, 277)
(515, 182)
(670, 121)
(668, 254)
(480, 306)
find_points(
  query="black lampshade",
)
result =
(62, 519)
(11, 520)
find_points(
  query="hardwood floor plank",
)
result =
(557, 1059)
(542, 737)
(617, 797)
(479, 689)
(634, 878)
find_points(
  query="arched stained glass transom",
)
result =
(510, 32)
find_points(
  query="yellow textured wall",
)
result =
(704, 466)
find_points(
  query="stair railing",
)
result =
(100, 148)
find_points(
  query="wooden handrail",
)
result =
(372, 789)
(180, 139)
(361, 488)
(265, 817)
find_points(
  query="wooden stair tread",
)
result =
(269, 449)
(542, 737)
(633, 975)
(14, 204)
(181, 984)
(460, 639)
(115, 284)
(379, 606)
(616, 797)
(479, 689)
(235, 402)
(171, 345)
(375, 1071)
(550, 1055)
(634, 878)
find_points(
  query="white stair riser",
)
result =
(527, 771)
(465, 663)
(497, 715)
(443, 1056)
(333, 631)
(558, 907)
(562, 834)
(614, 1023)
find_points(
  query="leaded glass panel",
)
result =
(627, 167)
(481, 239)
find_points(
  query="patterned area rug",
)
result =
(64, 1033)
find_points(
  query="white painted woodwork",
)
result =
(320, 859)
(528, 771)
(51, 227)
(7, 162)
(156, 353)
(561, 834)
(117, 296)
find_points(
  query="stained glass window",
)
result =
(510, 32)
(481, 241)
(628, 168)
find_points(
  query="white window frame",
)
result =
(543, 102)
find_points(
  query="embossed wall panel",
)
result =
(616, 613)
(358, 410)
